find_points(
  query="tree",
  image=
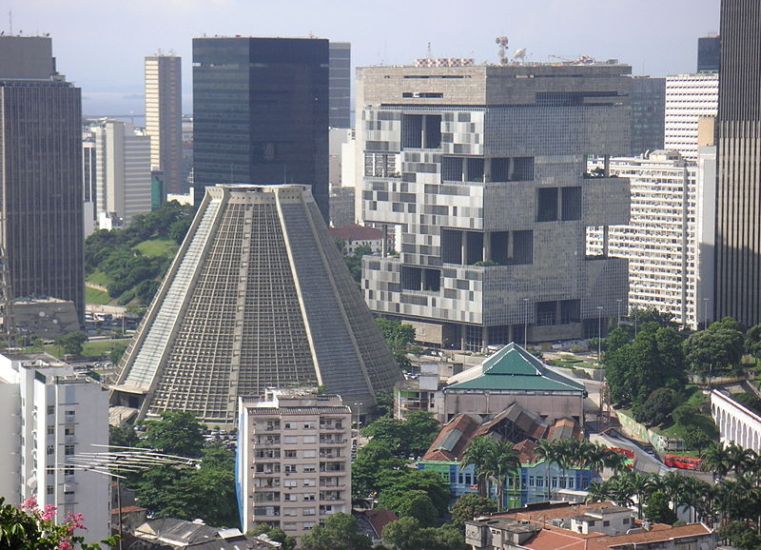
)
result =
(72, 342)
(122, 436)
(651, 315)
(116, 352)
(657, 407)
(372, 460)
(753, 341)
(718, 348)
(657, 509)
(471, 506)
(716, 459)
(548, 452)
(409, 437)
(741, 535)
(176, 433)
(410, 504)
(653, 360)
(406, 534)
(506, 462)
(340, 532)
(399, 338)
(618, 338)
(406, 480)
(478, 454)
(29, 528)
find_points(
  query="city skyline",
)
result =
(652, 45)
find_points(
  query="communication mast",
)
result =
(502, 42)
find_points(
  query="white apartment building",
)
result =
(688, 98)
(123, 171)
(294, 460)
(163, 117)
(51, 414)
(661, 241)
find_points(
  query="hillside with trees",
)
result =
(125, 266)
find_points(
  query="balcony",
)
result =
(327, 440)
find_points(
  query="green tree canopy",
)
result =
(176, 433)
(657, 509)
(72, 342)
(340, 532)
(653, 360)
(470, 506)
(410, 504)
(718, 348)
(409, 437)
(274, 533)
(407, 534)
(657, 408)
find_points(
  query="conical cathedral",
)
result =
(258, 296)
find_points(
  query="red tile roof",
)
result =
(356, 232)
(127, 510)
(453, 439)
(379, 518)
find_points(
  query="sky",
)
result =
(100, 44)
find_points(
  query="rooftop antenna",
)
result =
(502, 42)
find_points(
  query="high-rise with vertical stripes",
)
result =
(738, 201)
(40, 173)
(258, 297)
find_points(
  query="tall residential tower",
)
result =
(41, 228)
(481, 171)
(260, 113)
(163, 118)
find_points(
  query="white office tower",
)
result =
(257, 297)
(50, 414)
(89, 182)
(688, 98)
(294, 460)
(662, 240)
(163, 117)
(123, 171)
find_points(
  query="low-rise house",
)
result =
(598, 526)
(512, 375)
(355, 236)
(178, 534)
(535, 481)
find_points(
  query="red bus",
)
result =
(682, 462)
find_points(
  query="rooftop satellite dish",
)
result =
(520, 54)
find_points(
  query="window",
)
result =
(545, 313)
(51, 449)
(626, 521)
(605, 523)
(51, 430)
(69, 450)
(310, 439)
(547, 204)
(571, 203)
(50, 489)
(309, 497)
(310, 511)
(290, 483)
(290, 454)
(290, 469)
(309, 469)
(475, 169)
(51, 409)
(309, 454)
(512, 169)
(310, 483)
(523, 247)
(290, 439)
(288, 497)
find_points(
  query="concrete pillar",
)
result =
(605, 241)
(464, 247)
(487, 246)
(606, 161)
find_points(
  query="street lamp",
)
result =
(525, 323)
(599, 333)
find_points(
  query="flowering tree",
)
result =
(30, 528)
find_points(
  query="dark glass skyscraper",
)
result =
(260, 113)
(709, 54)
(738, 200)
(340, 85)
(648, 120)
(40, 173)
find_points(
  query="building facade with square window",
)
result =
(52, 415)
(294, 460)
(482, 171)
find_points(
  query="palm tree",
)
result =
(615, 461)
(740, 460)
(506, 461)
(598, 492)
(715, 459)
(479, 454)
(547, 451)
